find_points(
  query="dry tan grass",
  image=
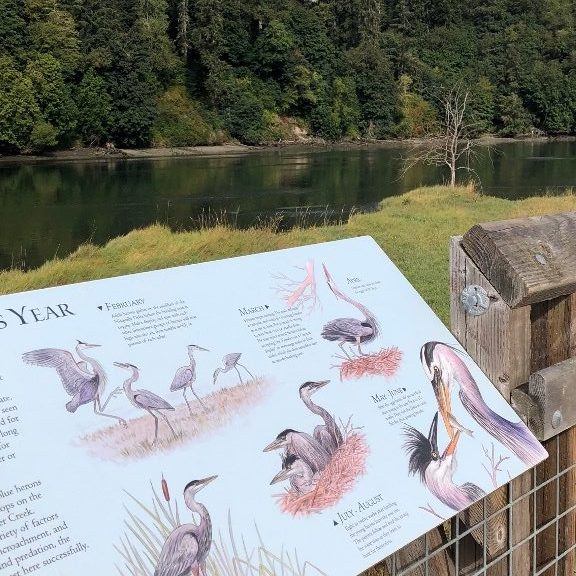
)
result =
(383, 363)
(135, 441)
(336, 479)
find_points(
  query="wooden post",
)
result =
(528, 269)
(525, 342)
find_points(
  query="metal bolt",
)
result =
(540, 259)
(557, 419)
(475, 300)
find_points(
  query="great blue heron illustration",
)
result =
(302, 445)
(186, 549)
(186, 376)
(437, 470)
(85, 381)
(231, 363)
(145, 400)
(445, 370)
(300, 475)
(328, 434)
(353, 330)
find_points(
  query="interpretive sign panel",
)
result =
(297, 412)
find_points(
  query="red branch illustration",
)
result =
(301, 293)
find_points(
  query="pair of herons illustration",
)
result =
(446, 370)
(86, 381)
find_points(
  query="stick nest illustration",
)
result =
(383, 363)
(339, 476)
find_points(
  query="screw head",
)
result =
(557, 419)
(540, 259)
(475, 300)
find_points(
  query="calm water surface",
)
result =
(49, 209)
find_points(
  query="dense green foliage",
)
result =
(184, 72)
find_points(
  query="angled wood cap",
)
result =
(527, 260)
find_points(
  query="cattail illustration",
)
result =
(165, 490)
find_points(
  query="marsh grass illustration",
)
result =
(383, 363)
(339, 477)
(135, 440)
(148, 526)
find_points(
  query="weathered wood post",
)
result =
(519, 324)
(513, 308)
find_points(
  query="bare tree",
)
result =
(452, 144)
(183, 19)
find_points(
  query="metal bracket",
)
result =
(475, 300)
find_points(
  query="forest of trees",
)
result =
(137, 73)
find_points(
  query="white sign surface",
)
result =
(297, 413)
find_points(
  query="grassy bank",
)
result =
(413, 229)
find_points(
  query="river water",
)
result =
(50, 208)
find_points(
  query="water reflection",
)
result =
(49, 209)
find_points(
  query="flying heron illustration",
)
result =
(231, 363)
(85, 381)
(300, 444)
(353, 330)
(437, 470)
(186, 549)
(328, 434)
(445, 370)
(145, 400)
(186, 376)
(300, 475)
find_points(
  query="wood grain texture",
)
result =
(521, 515)
(527, 260)
(553, 390)
(439, 563)
(552, 342)
(567, 487)
(499, 340)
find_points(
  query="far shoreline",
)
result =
(103, 154)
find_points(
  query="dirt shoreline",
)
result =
(114, 154)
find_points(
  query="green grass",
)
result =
(414, 230)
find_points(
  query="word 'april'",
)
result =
(27, 315)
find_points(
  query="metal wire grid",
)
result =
(452, 546)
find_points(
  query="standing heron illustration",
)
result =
(85, 381)
(437, 470)
(231, 363)
(186, 376)
(186, 549)
(300, 475)
(445, 370)
(145, 400)
(328, 434)
(353, 330)
(300, 444)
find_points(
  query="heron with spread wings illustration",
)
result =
(85, 381)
